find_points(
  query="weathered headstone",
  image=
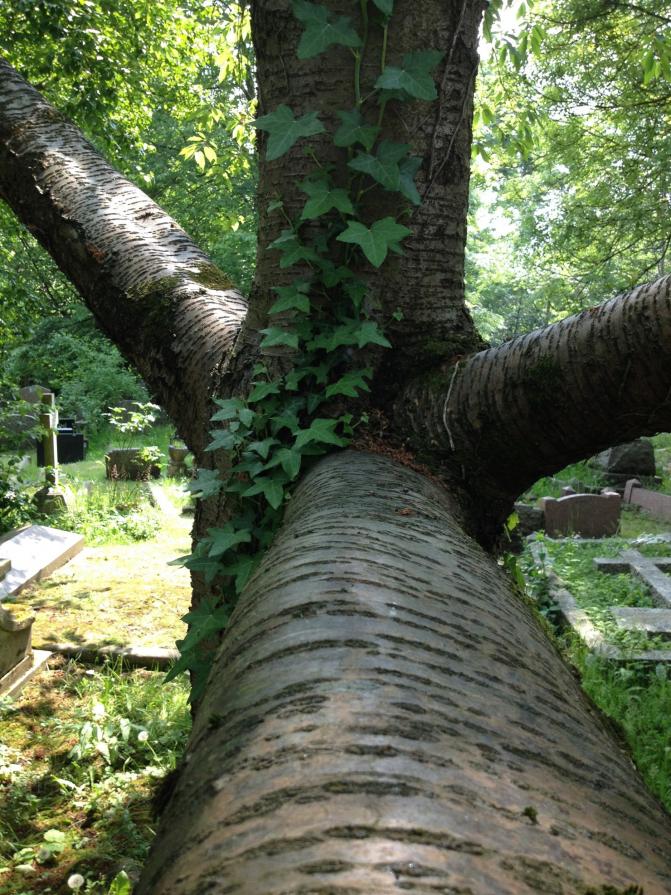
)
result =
(587, 515)
(33, 393)
(654, 502)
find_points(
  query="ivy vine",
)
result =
(323, 317)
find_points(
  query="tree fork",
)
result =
(385, 714)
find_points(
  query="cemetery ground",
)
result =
(85, 747)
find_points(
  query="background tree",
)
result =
(571, 131)
(385, 711)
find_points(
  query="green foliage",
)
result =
(414, 77)
(16, 505)
(322, 29)
(80, 365)
(284, 129)
(79, 764)
(638, 699)
(320, 321)
(571, 160)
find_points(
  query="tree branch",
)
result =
(173, 314)
(384, 707)
(548, 398)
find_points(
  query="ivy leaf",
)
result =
(383, 166)
(261, 390)
(262, 448)
(206, 485)
(230, 408)
(271, 488)
(292, 249)
(289, 460)
(322, 199)
(376, 242)
(414, 78)
(321, 431)
(274, 336)
(355, 130)
(350, 383)
(222, 539)
(408, 168)
(322, 29)
(241, 569)
(385, 6)
(223, 440)
(284, 130)
(368, 333)
(292, 298)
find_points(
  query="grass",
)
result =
(638, 699)
(635, 695)
(83, 753)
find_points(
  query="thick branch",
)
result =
(549, 398)
(154, 292)
(386, 714)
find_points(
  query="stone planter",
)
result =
(126, 464)
(177, 465)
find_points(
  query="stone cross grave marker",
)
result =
(649, 570)
(52, 497)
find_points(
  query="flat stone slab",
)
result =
(634, 618)
(577, 618)
(15, 680)
(647, 569)
(35, 552)
(5, 566)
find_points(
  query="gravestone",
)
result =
(587, 515)
(654, 502)
(33, 393)
(34, 553)
(580, 621)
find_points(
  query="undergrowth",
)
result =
(81, 758)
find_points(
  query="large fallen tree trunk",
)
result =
(387, 715)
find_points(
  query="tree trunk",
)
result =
(385, 714)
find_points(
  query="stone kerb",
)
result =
(587, 515)
(573, 616)
(649, 570)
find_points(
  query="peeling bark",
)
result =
(509, 415)
(385, 714)
(151, 289)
